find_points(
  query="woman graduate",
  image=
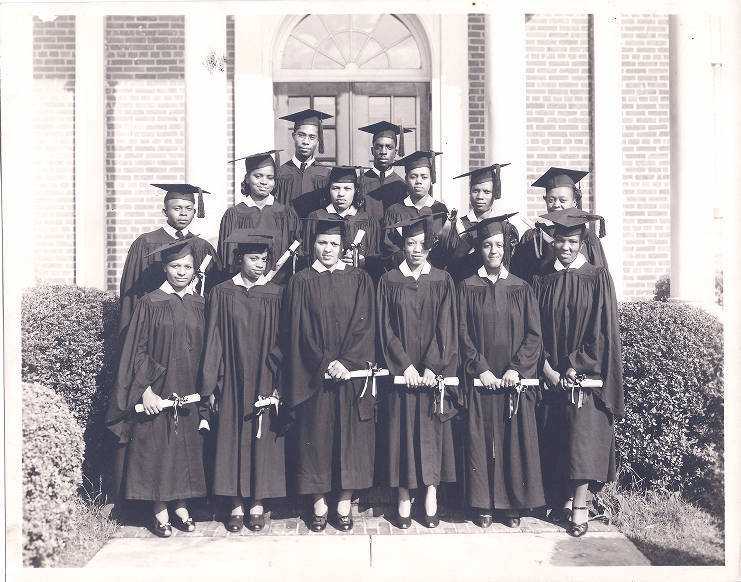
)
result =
(418, 335)
(581, 340)
(329, 332)
(344, 197)
(259, 209)
(160, 454)
(535, 253)
(241, 367)
(500, 345)
(485, 188)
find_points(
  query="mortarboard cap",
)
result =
(309, 117)
(388, 129)
(260, 160)
(185, 192)
(329, 224)
(252, 238)
(555, 177)
(573, 220)
(176, 249)
(419, 159)
(489, 226)
(418, 225)
(486, 174)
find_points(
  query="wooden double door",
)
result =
(354, 105)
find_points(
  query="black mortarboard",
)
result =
(419, 159)
(489, 226)
(555, 177)
(185, 192)
(260, 160)
(251, 238)
(352, 174)
(486, 174)
(569, 221)
(176, 249)
(329, 224)
(309, 117)
(417, 225)
(388, 129)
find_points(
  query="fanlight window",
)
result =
(351, 42)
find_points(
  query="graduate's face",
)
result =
(481, 196)
(384, 151)
(414, 250)
(559, 198)
(566, 247)
(179, 213)
(419, 182)
(179, 272)
(327, 248)
(492, 251)
(305, 140)
(262, 181)
(254, 265)
(342, 194)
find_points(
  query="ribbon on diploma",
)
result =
(262, 405)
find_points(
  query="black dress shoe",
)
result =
(511, 521)
(404, 522)
(187, 525)
(160, 529)
(344, 522)
(576, 530)
(235, 523)
(484, 520)
(256, 522)
(560, 515)
(431, 521)
(318, 523)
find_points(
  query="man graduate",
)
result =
(142, 272)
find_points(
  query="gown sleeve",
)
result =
(473, 361)
(128, 293)
(212, 367)
(526, 357)
(595, 252)
(442, 353)
(391, 347)
(357, 346)
(225, 228)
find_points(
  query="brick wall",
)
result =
(645, 64)
(230, 108)
(54, 134)
(476, 91)
(145, 119)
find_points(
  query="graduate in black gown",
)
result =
(484, 191)
(160, 453)
(418, 336)
(535, 253)
(259, 208)
(581, 339)
(420, 175)
(344, 197)
(142, 272)
(500, 344)
(382, 185)
(302, 177)
(329, 329)
(241, 366)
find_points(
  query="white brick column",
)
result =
(607, 181)
(205, 112)
(691, 102)
(90, 149)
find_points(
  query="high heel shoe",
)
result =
(577, 530)
(484, 520)
(431, 521)
(162, 530)
(344, 522)
(318, 523)
(186, 525)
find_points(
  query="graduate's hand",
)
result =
(552, 377)
(570, 378)
(212, 404)
(429, 378)
(412, 378)
(489, 380)
(338, 371)
(510, 379)
(347, 257)
(151, 402)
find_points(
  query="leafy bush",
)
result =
(69, 344)
(662, 288)
(52, 469)
(672, 433)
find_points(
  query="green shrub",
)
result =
(69, 344)
(672, 433)
(52, 469)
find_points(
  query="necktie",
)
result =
(382, 174)
(178, 234)
(303, 167)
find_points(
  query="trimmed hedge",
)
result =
(52, 469)
(672, 433)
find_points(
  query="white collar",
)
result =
(377, 172)
(484, 274)
(423, 269)
(242, 282)
(249, 201)
(427, 201)
(473, 218)
(297, 162)
(167, 288)
(171, 231)
(350, 211)
(579, 261)
(319, 268)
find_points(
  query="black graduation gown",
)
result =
(417, 323)
(465, 260)
(525, 263)
(578, 314)
(142, 274)
(393, 191)
(157, 460)
(499, 331)
(241, 362)
(291, 183)
(329, 316)
(392, 242)
(276, 217)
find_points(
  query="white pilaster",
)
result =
(205, 110)
(691, 83)
(608, 137)
(506, 120)
(90, 149)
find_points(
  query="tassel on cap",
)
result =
(201, 206)
(400, 149)
(496, 181)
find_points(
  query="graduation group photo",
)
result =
(374, 276)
